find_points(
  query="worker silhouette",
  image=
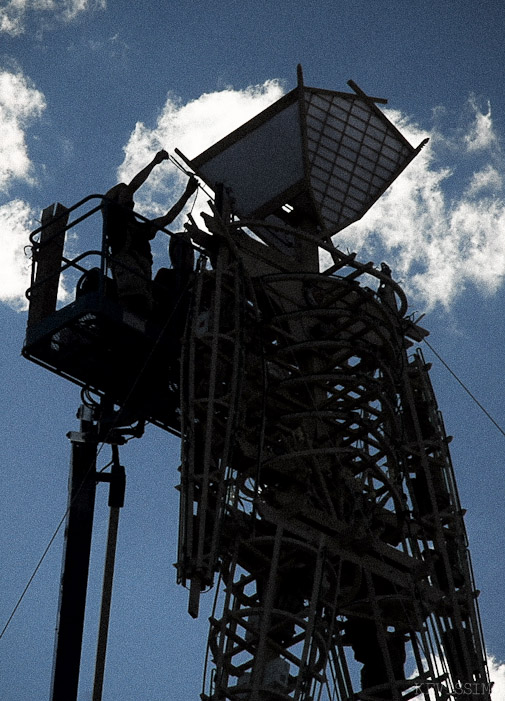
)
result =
(128, 238)
(171, 288)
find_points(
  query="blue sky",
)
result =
(88, 92)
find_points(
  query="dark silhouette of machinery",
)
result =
(316, 479)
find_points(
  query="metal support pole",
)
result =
(116, 501)
(74, 579)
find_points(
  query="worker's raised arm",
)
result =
(174, 211)
(142, 176)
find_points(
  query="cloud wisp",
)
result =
(16, 14)
(20, 103)
(16, 221)
(497, 676)
(439, 227)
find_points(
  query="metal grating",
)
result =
(354, 153)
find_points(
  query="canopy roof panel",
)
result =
(354, 153)
(316, 159)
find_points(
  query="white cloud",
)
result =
(20, 102)
(191, 127)
(16, 222)
(440, 229)
(16, 13)
(71, 8)
(497, 675)
(489, 178)
(481, 134)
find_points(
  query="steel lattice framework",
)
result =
(317, 481)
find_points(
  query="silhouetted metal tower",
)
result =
(316, 480)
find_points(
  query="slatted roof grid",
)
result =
(352, 153)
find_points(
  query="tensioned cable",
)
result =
(462, 384)
(99, 449)
(41, 560)
(51, 541)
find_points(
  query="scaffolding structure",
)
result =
(317, 490)
(317, 481)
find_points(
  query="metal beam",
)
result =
(74, 579)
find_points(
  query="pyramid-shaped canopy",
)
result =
(315, 158)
